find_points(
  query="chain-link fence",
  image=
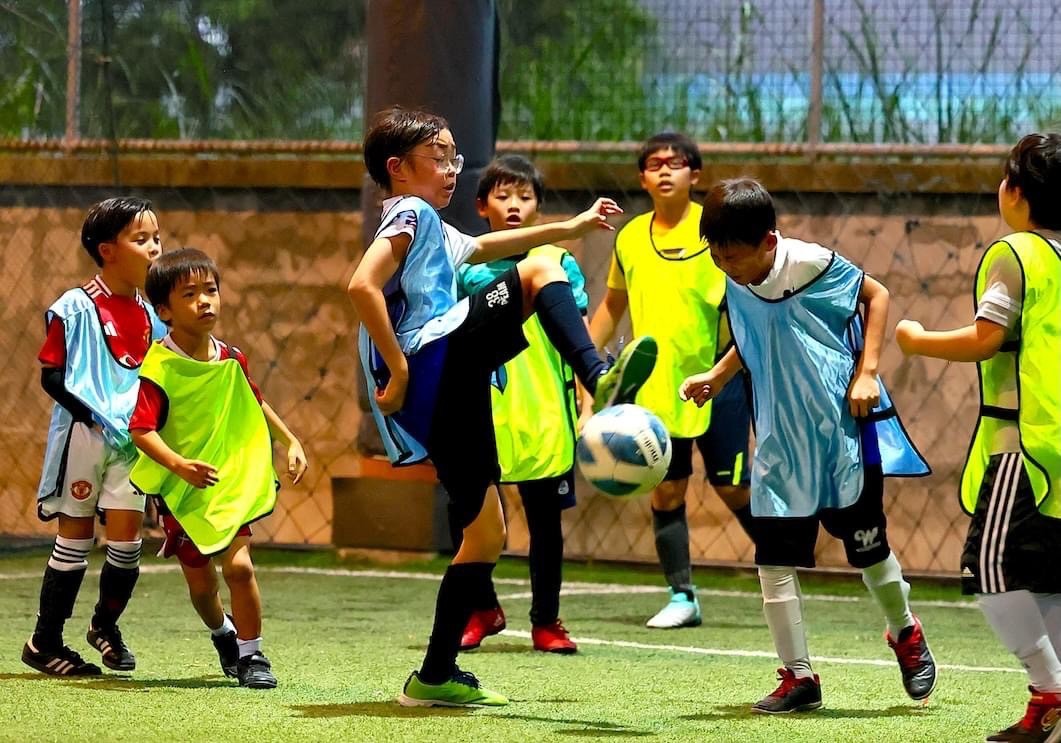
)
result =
(854, 114)
(585, 70)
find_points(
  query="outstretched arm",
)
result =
(503, 243)
(977, 342)
(296, 455)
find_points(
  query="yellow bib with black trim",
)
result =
(1038, 364)
(674, 290)
(534, 405)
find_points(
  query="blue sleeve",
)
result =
(578, 281)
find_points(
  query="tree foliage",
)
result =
(188, 68)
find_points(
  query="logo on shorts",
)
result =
(497, 296)
(564, 488)
(81, 489)
(868, 537)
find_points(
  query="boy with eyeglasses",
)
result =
(662, 271)
(429, 357)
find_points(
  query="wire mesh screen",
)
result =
(577, 79)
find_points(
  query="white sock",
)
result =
(249, 647)
(885, 583)
(1016, 619)
(1050, 609)
(783, 609)
(225, 628)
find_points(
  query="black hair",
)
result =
(105, 221)
(675, 141)
(1034, 166)
(510, 169)
(170, 269)
(394, 132)
(737, 211)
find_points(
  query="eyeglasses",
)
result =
(444, 163)
(677, 162)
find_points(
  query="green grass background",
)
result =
(342, 646)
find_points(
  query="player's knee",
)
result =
(735, 497)
(779, 583)
(483, 544)
(238, 571)
(536, 271)
(669, 495)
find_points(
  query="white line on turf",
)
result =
(582, 588)
(757, 653)
(571, 588)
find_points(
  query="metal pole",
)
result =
(73, 72)
(817, 51)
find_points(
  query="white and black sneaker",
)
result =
(116, 654)
(60, 662)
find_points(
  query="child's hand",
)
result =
(195, 473)
(907, 333)
(595, 217)
(391, 398)
(863, 395)
(700, 388)
(296, 461)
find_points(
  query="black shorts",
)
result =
(461, 443)
(1010, 545)
(723, 446)
(561, 488)
(862, 527)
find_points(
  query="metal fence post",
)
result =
(73, 72)
(817, 51)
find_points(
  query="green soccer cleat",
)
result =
(631, 370)
(462, 690)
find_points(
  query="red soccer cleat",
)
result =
(792, 695)
(481, 625)
(553, 638)
(1040, 720)
(916, 664)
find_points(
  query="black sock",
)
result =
(672, 545)
(485, 599)
(460, 584)
(745, 519)
(59, 591)
(115, 589)
(562, 322)
(546, 557)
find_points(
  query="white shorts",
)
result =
(95, 478)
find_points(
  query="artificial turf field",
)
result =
(343, 636)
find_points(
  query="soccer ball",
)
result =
(624, 450)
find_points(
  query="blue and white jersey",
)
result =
(800, 351)
(94, 376)
(422, 297)
(424, 308)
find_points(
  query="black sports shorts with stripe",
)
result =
(1011, 545)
